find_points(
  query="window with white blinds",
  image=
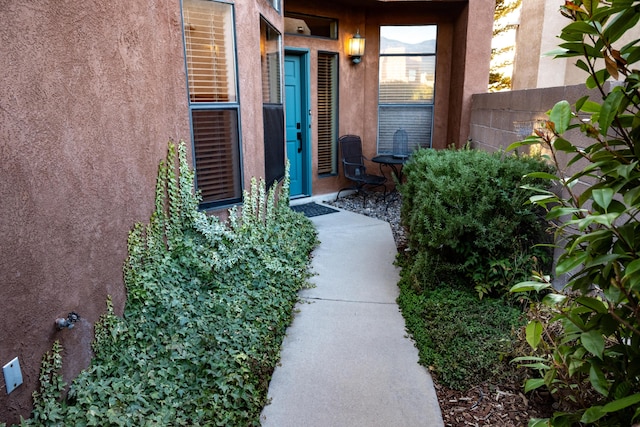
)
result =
(217, 155)
(212, 84)
(270, 63)
(406, 85)
(327, 113)
(208, 29)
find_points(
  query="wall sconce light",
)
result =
(356, 47)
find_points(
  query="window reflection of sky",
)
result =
(411, 34)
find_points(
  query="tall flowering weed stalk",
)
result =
(588, 353)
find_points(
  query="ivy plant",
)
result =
(207, 307)
(588, 351)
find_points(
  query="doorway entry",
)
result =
(296, 77)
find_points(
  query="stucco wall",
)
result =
(470, 66)
(91, 93)
(540, 25)
(463, 55)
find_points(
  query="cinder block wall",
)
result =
(495, 116)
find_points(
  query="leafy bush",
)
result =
(460, 338)
(468, 220)
(206, 312)
(597, 349)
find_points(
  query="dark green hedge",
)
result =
(468, 219)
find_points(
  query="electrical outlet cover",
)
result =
(12, 375)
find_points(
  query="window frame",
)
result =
(273, 116)
(428, 107)
(333, 139)
(232, 106)
(333, 23)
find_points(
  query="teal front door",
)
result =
(296, 147)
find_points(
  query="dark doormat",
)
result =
(313, 209)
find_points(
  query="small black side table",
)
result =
(394, 162)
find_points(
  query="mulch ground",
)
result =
(503, 405)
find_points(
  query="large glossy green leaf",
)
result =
(561, 116)
(609, 110)
(543, 198)
(603, 219)
(620, 24)
(580, 27)
(592, 415)
(590, 107)
(528, 359)
(632, 52)
(539, 422)
(532, 140)
(632, 268)
(561, 144)
(534, 333)
(598, 380)
(603, 196)
(600, 77)
(541, 175)
(532, 384)
(529, 286)
(626, 170)
(570, 262)
(558, 53)
(628, 234)
(551, 300)
(557, 212)
(622, 403)
(593, 303)
(603, 14)
(602, 260)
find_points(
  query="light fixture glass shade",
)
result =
(356, 47)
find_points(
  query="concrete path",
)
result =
(346, 360)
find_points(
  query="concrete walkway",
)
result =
(346, 360)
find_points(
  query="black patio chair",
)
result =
(355, 170)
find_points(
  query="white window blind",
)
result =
(213, 101)
(208, 32)
(415, 120)
(217, 154)
(406, 90)
(270, 59)
(327, 113)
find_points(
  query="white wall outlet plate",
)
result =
(12, 375)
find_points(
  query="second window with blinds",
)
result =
(213, 100)
(327, 114)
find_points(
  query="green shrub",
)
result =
(596, 351)
(207, 308)
(460, 338)
(468, 220)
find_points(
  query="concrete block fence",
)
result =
(501, 118)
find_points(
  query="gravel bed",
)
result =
(377, 207)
